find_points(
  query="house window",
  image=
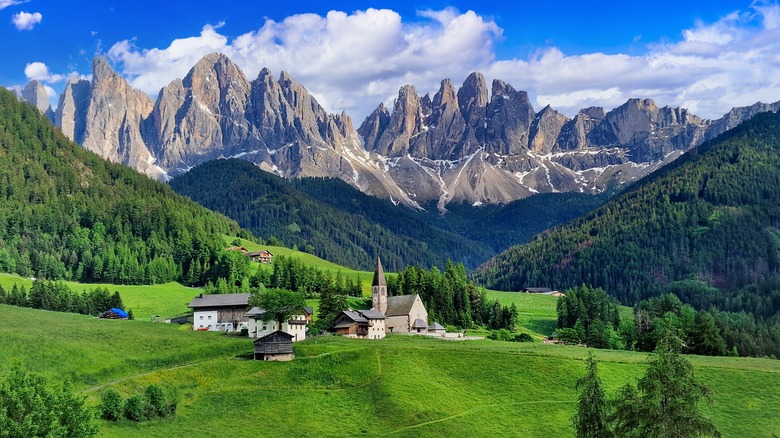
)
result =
(209, 316)
(201, 317)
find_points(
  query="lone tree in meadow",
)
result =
(279, 304)
(665, 401)
(590, 421)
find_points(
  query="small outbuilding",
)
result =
(276, 346)
(436, 329)
(420, 326)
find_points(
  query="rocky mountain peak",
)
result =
(34, 94)
(545, 129)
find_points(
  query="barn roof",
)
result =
(399, 305)
(220, 300)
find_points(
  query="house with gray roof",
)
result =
(363, 324)
(260, 324)
(219, 312)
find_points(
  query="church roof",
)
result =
(379, 274)
(399, 305)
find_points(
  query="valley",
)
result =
(372, 223)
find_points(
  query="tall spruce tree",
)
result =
(665, 401)
(590, 421)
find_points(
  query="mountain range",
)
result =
(462, 145)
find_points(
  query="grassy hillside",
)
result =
(400, 386)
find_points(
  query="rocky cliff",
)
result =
(462, 144)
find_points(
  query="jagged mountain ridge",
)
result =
(460, 145)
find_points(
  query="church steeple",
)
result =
(379, 289)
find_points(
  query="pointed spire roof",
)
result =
(379, 274)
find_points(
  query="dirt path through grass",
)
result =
(135, 376)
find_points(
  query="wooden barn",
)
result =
(276, 346)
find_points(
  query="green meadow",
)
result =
(401, 386)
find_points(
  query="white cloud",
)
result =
(353, 61)
(6, 3)
(39, 71)
(348, 61)
(25, 20)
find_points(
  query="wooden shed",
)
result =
(274, 346)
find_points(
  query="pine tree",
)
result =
(590, 421)
(665, 402)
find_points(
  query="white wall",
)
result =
(259, 328)
(205, 320)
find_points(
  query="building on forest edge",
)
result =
(219, 312)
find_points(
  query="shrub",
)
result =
(156, 406)
(523, 337)
(135, 409)
(110, 405)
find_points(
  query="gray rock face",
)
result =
(459, 145)
(34, 94)
(545, 129)
(72, 109)
(114, 117)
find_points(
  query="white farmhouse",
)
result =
(295, 326)
(219, 312)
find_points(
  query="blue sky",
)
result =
(705, 55)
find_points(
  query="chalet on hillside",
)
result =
(362, 324)
(294, 326)
(543, 291)
(220, 312)
(263, 256)
(275, 346)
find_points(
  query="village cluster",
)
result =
(397, 314)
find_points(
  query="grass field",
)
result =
(400, 386)
(145, 301)
(537, 313)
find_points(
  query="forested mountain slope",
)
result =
(705, 228)
(497, 226)
(269, 205)
(67, 213)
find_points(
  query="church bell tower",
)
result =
(379, 289)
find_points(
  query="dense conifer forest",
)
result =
(340, 223)
(271, 207)
(706, 228)
(66, 213)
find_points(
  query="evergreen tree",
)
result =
(665, 402)
(590, 421)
